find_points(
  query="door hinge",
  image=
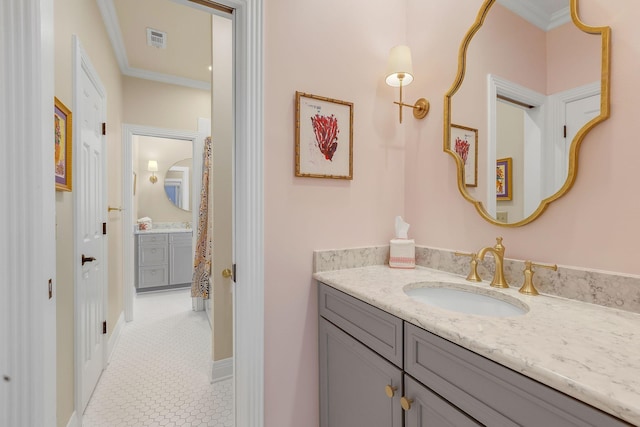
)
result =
(233, 273)
(104, 327)
(564, 131)
(104, 128)
(104, 228)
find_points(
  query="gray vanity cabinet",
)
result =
(353, 381)
(153, 256)
(430, 410)
(354, 372)
(362, 349)
(180, 258)
(164, 260)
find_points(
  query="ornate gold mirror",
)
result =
(526, 93)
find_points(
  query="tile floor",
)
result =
(158, 374)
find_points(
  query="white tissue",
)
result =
(402, 228)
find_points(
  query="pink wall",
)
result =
(335, 49)
(338, 49)
(595, 225)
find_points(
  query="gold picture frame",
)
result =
(324, 137)
(63, 156)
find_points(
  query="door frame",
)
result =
(28, 249)
(128, 132)
(82, 63)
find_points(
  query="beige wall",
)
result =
(82, 18)
(149, 103)
(221, 189)
(510, 143)
(152, 200)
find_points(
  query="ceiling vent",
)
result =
(156, 38)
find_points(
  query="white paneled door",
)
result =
(90, 215)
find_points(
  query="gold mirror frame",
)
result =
(605, 33)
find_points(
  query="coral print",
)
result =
(462, 149)
(326, 131)
(500, 180)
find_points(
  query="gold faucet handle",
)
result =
(473, 266)
(527, 287)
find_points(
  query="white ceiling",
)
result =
(187, 57)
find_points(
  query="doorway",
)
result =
(36, 345)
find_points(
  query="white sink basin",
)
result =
(466, 299)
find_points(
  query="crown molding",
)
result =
(110, 18)
(532, 12)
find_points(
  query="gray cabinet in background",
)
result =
(163, 260)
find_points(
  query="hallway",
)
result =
(157, 375)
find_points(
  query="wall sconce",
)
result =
(400, 73)
(153, 168)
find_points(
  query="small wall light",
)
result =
(400, 73)
(153, 168)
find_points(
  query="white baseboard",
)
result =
(115, 336)
(221, 369)
(73, 420)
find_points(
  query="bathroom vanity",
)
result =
(164, 259)
(389, 360)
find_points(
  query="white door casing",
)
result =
(27, 215)
(90, 210)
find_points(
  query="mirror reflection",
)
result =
(177, 184)
(530, 91)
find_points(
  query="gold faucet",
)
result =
(473, 266)
(527, 287)
(498, 255)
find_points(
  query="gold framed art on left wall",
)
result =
(62, 124)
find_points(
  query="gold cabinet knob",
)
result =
(390, 390)
(226, 273)
(405, 403)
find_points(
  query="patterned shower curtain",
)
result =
(202, 258)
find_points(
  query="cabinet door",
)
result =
(180, 262)
(430, 410)
(352, 383)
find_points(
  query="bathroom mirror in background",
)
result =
(529, 90)
(177, 184)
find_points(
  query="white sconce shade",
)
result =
(399, 67)
(153, 168)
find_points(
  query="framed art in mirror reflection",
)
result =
(464, 142)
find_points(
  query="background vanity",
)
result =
(164, 259)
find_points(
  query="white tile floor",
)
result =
(158, 374)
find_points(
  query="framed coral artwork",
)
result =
(62, 133)
(324, 137)
(464, 142)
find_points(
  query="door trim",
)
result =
(27, 251)
(82, 64)
(128, 131)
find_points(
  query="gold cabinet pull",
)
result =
(390, 391)
(405, 403)
(226, 273)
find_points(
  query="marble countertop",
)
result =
(164, 230)
(587, 351)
